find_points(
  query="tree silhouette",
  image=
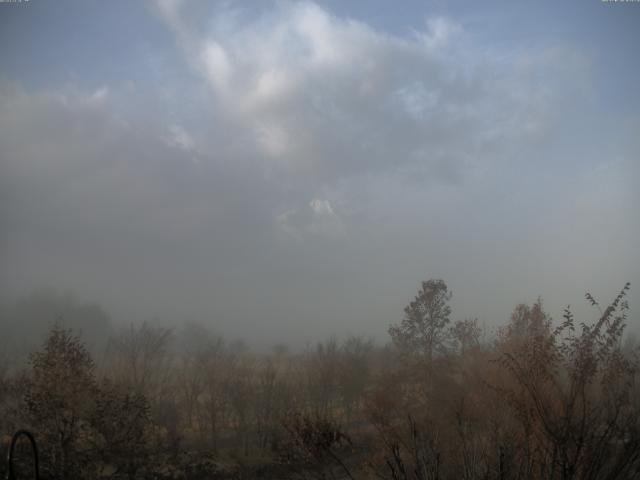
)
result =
(423, 331)
(59, 397)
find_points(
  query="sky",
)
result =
(283, 171)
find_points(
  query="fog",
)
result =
(319, 240)
(292, 171)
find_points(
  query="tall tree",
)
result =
(423, 330)
(60, 395)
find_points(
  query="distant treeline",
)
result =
(442, 400)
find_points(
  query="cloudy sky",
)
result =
(288, 170)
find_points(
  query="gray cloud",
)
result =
(314, 171)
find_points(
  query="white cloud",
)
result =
(216, 65)
(99, 97)
(170, 11)
(317, 218)
(325, 97)
(439, 32)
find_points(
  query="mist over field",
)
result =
(294, 170)
(276, 181)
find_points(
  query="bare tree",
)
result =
(60, 396)
(574, 397)
(240, 390)
(355, 372)
(140, 357)
(219, 367)
(271, 401)
(313, 445)
(422, 333)
(465, 334)
(324, 365)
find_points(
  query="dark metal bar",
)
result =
(11, 474)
